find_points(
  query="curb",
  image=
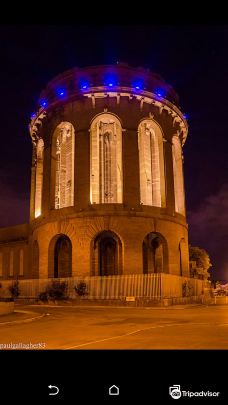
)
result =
(172, 307)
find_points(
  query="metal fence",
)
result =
(148, 286)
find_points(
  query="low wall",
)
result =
(220, 300)
(153, 286)
(6, 307)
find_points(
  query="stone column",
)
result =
(82, 170)
(131, 190)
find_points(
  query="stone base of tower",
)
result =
(95, 245)
(110, 245)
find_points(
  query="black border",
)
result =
(86, 375)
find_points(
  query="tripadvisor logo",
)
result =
(175, 392)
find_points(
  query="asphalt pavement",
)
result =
(69, 327)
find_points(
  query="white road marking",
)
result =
(137, 331)
(23, 320)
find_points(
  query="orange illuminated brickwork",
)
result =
(107, 185)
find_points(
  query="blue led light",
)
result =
(84, 84)
(61, 92)
(160, 92)
(138, 84)
(185, 116)
(43, 103)
(33, 115)
(110, 80)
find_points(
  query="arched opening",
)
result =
(39, 177)
(60, 257)
(178, 176)
(151, 164)
(62, 172)
(35, 260)
(155, 254)
(106, 254)
(106, 183)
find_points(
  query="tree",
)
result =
(199, 262)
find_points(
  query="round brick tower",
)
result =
(107, 189)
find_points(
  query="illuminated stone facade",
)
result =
(107, 187)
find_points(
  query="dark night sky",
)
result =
(194, 59)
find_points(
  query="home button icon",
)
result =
(114, 390)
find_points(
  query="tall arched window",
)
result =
(178, 175)
(63, 163)
(39, 177)
(151, 164)
(106, 184)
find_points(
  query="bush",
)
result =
(57, 290)
(43, 296)
(81, 288)
(14, 289)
